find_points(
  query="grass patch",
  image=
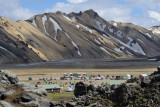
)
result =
(66, 96)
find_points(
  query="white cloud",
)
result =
(14, 10)
(154, 15)
(76, 1)
(114, 10)
(109, 9)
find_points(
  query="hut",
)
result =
(51, 88)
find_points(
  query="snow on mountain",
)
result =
(115, 24)
(53, 36)
(118, 50)
(156, 31)
(4, 49)
(148, 35)
(100, 25)
(74, 44)
(101, 40)
(44, 18)
(119, 34)
(56, 27)
(133, 46)
(67, 18)
(34, 23)
(103, 49)
(110, 29)
(97, 41)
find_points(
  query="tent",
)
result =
(127, 77)
(143, 75)
(69, 90)
(71, 86)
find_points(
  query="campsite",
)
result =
(52, 76)
(60, 82)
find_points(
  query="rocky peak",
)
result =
(91, 13)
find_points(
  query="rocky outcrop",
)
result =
(135, 93)
(8, 78)
(13, 93)
(143, 92)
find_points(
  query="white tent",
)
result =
(69, 90)
(127, 77)
(143, 75)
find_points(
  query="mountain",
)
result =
(54, 36)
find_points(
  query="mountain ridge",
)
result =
(53, 36)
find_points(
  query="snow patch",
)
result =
(56, 27)
(67, 18)
(100, 25)
(140, 31)
(90, 31)
(115, 24)
(44, 18)
(129, 53)
(122, 47)
(74, 44)
(104, 50)
(73, 18)
(4, 49)
(106, 36)
(156, 31)
(34, 23)
(97, 41)
(101, 40)
(86, 28)
(119, 34)
(79, 53)
(118, 50)
(78, 26)
(140, 40)
(133, 46)
(148, 35)
(110, 29)
(150, 29)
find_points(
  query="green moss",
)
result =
(67, 96)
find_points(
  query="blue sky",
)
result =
(145, 13)
(41, 4)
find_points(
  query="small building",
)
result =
(143, 76)
(51, 88)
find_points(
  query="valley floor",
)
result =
(36, 73)
(56, 69)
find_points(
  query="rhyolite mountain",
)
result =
(54, 36)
